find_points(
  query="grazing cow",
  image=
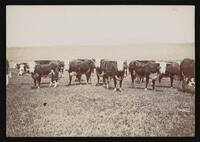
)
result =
(8, 72)
(148, 69)
(187, 69)
(99, 64)
(42, 70)
(169, 69)
(78, 67)
(23, 68)
(113, 70)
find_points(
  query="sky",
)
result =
(29, 26)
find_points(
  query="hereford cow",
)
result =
(43, 70)
(23, 68)
(149, 70)
(78, 67)
(187, 69)
(169, 69)
(115, 70)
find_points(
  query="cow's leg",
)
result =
(115, 83)
(79, 78)
(35, 82)
(171, 81)
(153, 83)
(51, 81)
(107, 82)
(132, 79)
(120, 85)
(39, 81)
(159, 79)
(70, 79)
(147, 82)
(55, 84)
(97, 79)
(87, 77)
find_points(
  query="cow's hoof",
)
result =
(115, 89)
(145, 89)
(38, 87)
(120, 89)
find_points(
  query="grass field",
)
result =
(90, 110)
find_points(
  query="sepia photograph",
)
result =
(100, 71)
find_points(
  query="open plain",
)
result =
(90, 110)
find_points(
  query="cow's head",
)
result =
(31, 66)
(192, 82)
(21, 69)
(162, 67)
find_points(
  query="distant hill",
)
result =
(154, 52)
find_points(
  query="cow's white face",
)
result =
(97, 62)
(66, 66)
(32, 66)
(162, 67)
(120, 65)
(21, 69)
(192, 82)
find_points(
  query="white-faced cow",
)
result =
(115, 70)
(149, 70)
(23, 68)
(43, 69)
(187, 69)
(77, 67)
(169, 69)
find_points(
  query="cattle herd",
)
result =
(107, 70)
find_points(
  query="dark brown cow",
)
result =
(169, 69)
(43, 70)
(187, 69)
(150, 70)
(78, 67)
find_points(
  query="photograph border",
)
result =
(5, 3)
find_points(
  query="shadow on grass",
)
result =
(77, 84)
(187, 90)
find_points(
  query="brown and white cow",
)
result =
(112, 69)
(187, 69)
(51, 69)
(149, 70)
(23, 68)
(78, 67)
(169, 69)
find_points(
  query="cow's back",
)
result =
(187, 67)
